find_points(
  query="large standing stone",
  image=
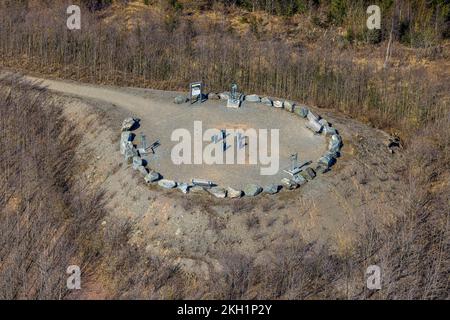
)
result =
(252, 190)
(233, 193)
(289, 106)
(308, 173)
(180, 99)
(218, 192)
(289, 184)
(167, 184)
(302, 111)
(278, 104)
(252, 98)
(266, 101)
(272, 188)
(152, 177)
(129, 123)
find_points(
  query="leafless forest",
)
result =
(47, 219)
(165, 51)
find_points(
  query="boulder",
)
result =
(314, 126)
(299, 179)
(327, 160)
(266, 101)
(321, 168)
(224, 95)
(278, 104)
(196, 189)
(125, 137)
(302, 111)
(129, 123)
(167, 184)
(137, 161)
(130, 153)
(152, 177)
(329, 131)
(184, 187)
(289, 106)
(252, 98)
(180, 99)
(218, 192)
(312, 117)
(324, 122)
(233, 193)
(308, 173)
(289, 184)
(272, 188)
(252, 190)
(335, 144)
(142, 170)
(213, 96)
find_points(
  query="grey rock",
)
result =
(184, 187)
(218, 192)
(324, 122)
(335, 144)
(180, 99)
(321, 169)
(299, 179)
(130, 153)
(252, 98)
(129, 123)
(289, 106)
(329, 131)
(314, 126)
(152, 177)
(125, 137)
(137, 161)
(233, 193)
(278, 104)
(224, 95)
(252, 190)
(213, 96)
(196, 189)
(266, 101)
(302, 111)
(308, 173)
(272, 188)
(167, 184)
(327, 160)
(312, 117)
(142, 170)
(289, 184)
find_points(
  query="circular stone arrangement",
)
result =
(314, 123)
